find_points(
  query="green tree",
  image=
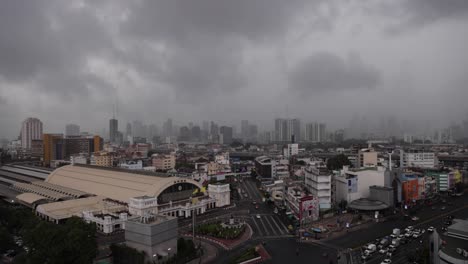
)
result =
(122, 254)
(337, 162)
(6, 240)
(73, 242)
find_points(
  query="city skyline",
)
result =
(321, 60)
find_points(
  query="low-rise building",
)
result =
(156, 235)
(367, 158)
(417, 158)
(305, 208)
(106, 223)
(164, 161)
(318, 182)
(102, 159)
(132, 165)
(451, 247)
(353, 184)
(221, 193)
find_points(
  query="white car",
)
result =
(430, 229)
(258, 216)
(409, 234)
(416, 235)
(386, 261)
(383, 251)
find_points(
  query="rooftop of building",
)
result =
(120, 185)
(69, 208)
(151, 219)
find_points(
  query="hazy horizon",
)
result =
(226, 61)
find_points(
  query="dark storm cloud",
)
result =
(205, 39)
(48, 45)
(25, 37)
(175, 20)
(326, 72)
(413, 14)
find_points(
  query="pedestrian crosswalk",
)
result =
(268, 226)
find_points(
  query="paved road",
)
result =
(377, 230)
(428, 217)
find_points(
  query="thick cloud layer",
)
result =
(224, 60)
(325, 72)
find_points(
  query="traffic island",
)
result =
(252, 255)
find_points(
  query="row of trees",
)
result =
(45, 242)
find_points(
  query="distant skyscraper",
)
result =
(196, 133)
(206, 126)
(245, 129)
(128, 130)
(31, 129)
(214, 130)
(226, 133)
(113, 130)
(72, 130)
(286, 128)
(316, 132)
(167, 128)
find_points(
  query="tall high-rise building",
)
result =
(286, 128)
(31, 129)
(316, 132)
(206, 126)
(225, 135)
(128, 130)
(167, 128)
(113, 130)
(245, 129)
(72, 130)
(53, 148)
(214, 130)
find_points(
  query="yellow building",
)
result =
(103, 159)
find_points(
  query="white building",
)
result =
(31, 129)
(132, 165)
(108, 222)
(221, 193)
(291, 150)
(354, 184)
(318, 182)
(79, 159)
(420, 159)
(222, 158)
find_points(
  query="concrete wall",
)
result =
(383, 195)
(151, 234)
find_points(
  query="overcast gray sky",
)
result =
(227, 60)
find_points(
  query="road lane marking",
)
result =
(277, 226)
(263, 224)
(269, 223)
(282, 224)
(258, 228)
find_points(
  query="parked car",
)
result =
(442, 208)
(415, 218)
(430, 229)
(258, 216)
(386, 261)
